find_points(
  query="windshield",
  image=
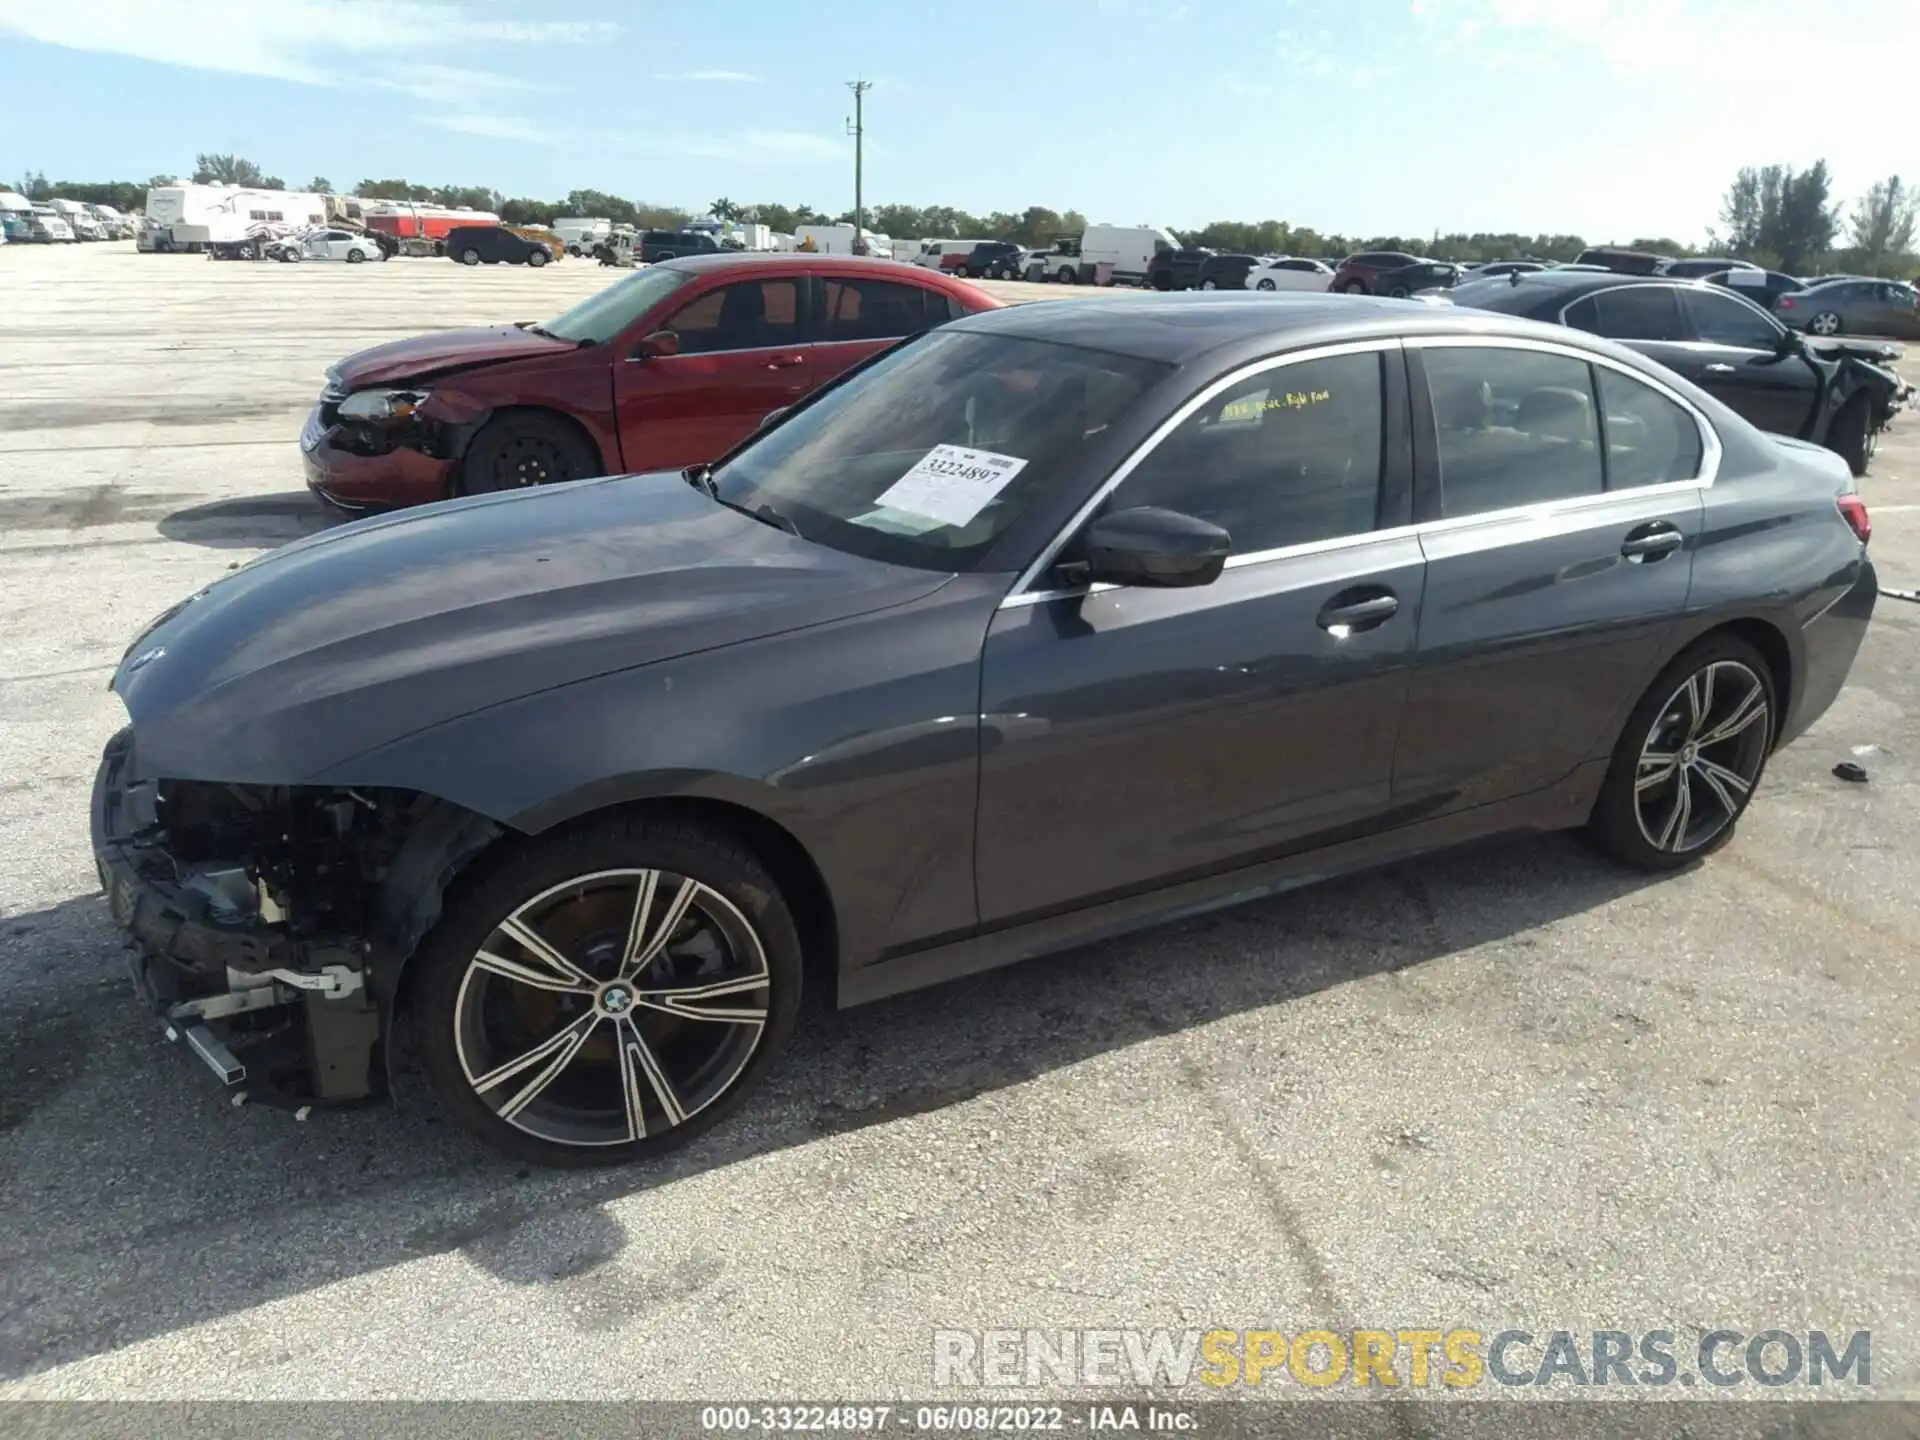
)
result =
(597, 319)
(930, 456)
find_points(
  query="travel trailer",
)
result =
(197, 216)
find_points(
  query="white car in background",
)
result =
(1287, 273)
(341, 245)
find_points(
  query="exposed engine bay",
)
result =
(269, 922)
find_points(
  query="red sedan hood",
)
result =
(428, 355)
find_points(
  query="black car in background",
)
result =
(1176, 269)
(493, 245)
(1763, 287)
(1412, 279)
(1049, 624)
(993, 260)
(1491, 269)
(1225, 272)
(1704, 268)
(1827, 393)
(658, 245)
(1624, 262)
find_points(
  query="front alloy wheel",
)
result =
(609, 995)
(612, 1007)
(1690, 759)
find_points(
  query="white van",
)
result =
(934, 253)
(581, 233)
(1129, 249)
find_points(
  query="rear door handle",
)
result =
(1651, 542)
(1718, 369)
(783, 362)
(1361, 608)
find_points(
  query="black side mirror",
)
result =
(1787, 341)
(1146, 545)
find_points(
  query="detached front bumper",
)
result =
(289, 1019)
(341, 478)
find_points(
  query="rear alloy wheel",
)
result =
(1354, 287)
(1690, 758)
(538, 258)
(517, 450)
(1825, 323)
(1208, 285)
(469, 257)
(609, 993)
(1265, 285)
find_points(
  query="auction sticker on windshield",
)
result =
(951, 483)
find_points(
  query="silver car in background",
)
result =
(1854, 307)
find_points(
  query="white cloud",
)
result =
(493, 125)
(302, 40)
(711, 77)
(451, 85)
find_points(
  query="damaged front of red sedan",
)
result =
(670, 367)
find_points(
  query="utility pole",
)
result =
(856, 127)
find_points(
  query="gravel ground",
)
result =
(1508, 1088)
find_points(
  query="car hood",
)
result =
(359, 636)
(425, 356)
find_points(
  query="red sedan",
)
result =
(669, 368)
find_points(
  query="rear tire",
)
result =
(469, 257)
(1851, 435)
(1398, 292)
(1354, 287)
(1827, 322)
(526, 448)
(1068, 276)
(1208, 285)
(354, 257)
(662, 1050)
(1266, 285)
(1674, 792)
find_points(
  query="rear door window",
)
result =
(1650, 439)
(1514, 427)
(874, 310)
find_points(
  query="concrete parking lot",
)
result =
(1514, 1087)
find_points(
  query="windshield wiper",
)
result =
(701, 478)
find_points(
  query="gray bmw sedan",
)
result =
(1050, 623)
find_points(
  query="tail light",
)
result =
(1786, 302)
(1853, 510)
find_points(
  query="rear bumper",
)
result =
(398, 478)
(289, 1019)
(1829, 643)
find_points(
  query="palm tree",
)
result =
(724, 209)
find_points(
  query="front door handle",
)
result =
(1361, 608)
(1718, 369)
(1646, 543)
(785, 362)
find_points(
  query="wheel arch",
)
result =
(451, 838)
(472, 427)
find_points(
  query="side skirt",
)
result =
(1562, 807)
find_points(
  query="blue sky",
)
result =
(1607, 118)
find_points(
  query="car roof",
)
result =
(1177, 329)
(787, 261)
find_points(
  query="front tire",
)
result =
(537, 258)
(608, 993)
(469, 257)
(521, 449)
(1208, 285)
(1354, 287)
(1068, 276)
(1689, 759)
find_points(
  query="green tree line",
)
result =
(1773, 215)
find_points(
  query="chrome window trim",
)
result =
(1710, 456)
(1710, 448)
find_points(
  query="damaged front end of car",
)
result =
(267, 925)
